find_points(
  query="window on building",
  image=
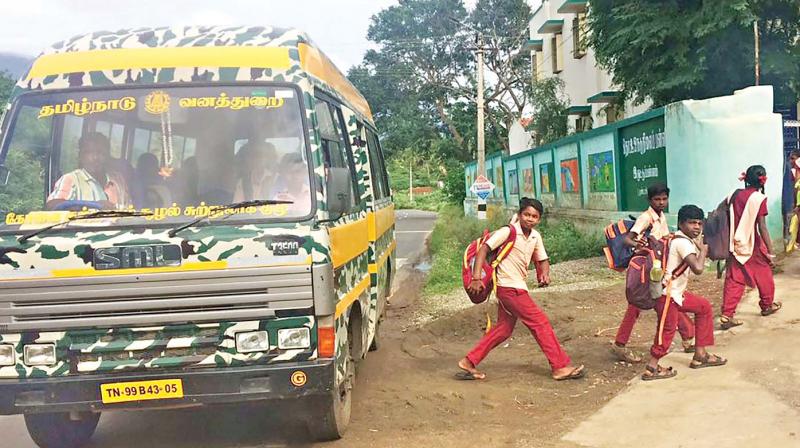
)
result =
(614, 112)
(583, 123)
(579, 35)
(556, 54)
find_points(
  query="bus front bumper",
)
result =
(200, 387)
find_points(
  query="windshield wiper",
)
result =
(97, 214)
(219, 208)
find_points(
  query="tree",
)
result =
(670, 50)
(550, 118)
(421, 57)
(6, 86)
(504, 24)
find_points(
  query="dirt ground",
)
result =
(406, 394)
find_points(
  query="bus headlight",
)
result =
(252, 341)
(7, 357)
(40, 355)
(294, 338)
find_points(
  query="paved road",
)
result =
(234, 426)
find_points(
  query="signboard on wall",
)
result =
(601, 172)
(643, 161)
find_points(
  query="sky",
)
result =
(338, 27)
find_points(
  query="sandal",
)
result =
(658, 373)
(467, 376)
(625, 354)
(707, 361)
(468, 371)
(726, 323)
(772, 309)
(576, 373)
(688, 346)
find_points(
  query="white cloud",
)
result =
(339, 27)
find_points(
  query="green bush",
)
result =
(454, 188)
(431, 202)
(453, 232)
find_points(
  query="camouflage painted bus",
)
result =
(190, 216)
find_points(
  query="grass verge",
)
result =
(454, 231)
(432, 202)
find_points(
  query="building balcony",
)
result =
(551, 26)
(608, 96)
(573, 7)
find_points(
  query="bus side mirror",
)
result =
(340, 192)
(4, 174)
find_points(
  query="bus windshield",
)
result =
(176, 152)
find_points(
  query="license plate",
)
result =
(141, 390)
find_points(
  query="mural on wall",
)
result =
(601, 172)
(570, 181)
(513, 182)
(547, 176)
(499, 176)
(643, 161)
(527, 182)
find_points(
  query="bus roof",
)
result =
(188, 54)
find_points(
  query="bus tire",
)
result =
(333, 412)
(59, 430)
(376, 344)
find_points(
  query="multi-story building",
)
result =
(558, 47)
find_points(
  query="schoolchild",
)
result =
(655, 220)
(687, 253)
(514, 298)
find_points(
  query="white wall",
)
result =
(710, 142)
(582, 77)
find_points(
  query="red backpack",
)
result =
(640, 291)
(493, 259)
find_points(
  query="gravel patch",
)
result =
(575, 275)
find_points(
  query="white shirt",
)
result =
(680, 248)
(512, 272)
(656, 222)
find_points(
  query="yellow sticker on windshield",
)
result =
(223, 101)
(86, 107)
(154, 214)
(157, 102)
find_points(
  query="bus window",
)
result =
(377, 167)
(333, 148)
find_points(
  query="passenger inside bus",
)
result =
(291, 183)
(93, 181)
(256, 167)
(154, 190)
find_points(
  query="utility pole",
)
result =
(481, 142)
(757, 64)
(411, 180)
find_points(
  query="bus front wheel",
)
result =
(61, 430)
(332, 415)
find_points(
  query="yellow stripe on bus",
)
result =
(380, 221)
(373, 268)
(159, 57)
(348, 241)
(316, 63)
(351, 296)
(90, 272)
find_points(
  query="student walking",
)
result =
(686, 252)
(751, 259)
(514, 298)
(655, 220)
